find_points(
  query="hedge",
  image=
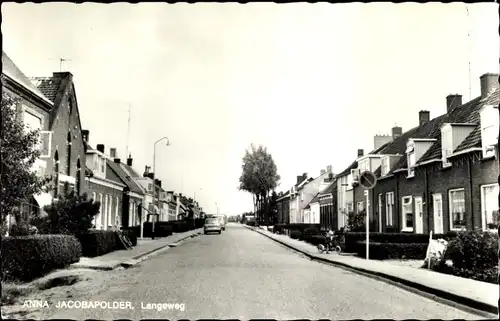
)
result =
(314, 239)
(351, 238)
(295, 234)
(384, 251)
(99, 242)
(25, 258)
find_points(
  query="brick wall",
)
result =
(386, 185)
(65, 122)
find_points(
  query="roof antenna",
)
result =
(61, 61)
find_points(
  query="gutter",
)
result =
(465, 151)
(428, 162)
(471, 206)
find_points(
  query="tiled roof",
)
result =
(10, 69)
(129, 169)
(48, 86)
(314, 200)
(465, 114)
(329, 188)
(347, 171)
(124, 177)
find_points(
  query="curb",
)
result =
(454, 300)
(137, 257)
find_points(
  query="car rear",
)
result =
(212, 225)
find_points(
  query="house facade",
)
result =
(34, 110)
(328, 215)
(283, 207)
(67, 160)
(345, 194)
(439, 176)
(105, 186)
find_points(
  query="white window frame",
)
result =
(410, 159)
(102, 165)
(489, 121)
(46, 133)
(302, 196)
(117, 213)
(404, 227)
(446, 136)
(483, 206)
(106, 208)
(389, 209)
(355, 175)
(362, 203)
(95, 200)
(101, 214)
(450, 202)
(384, 165)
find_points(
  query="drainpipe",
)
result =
(427, 199)
(396, 202)
(471, 205)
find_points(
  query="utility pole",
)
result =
(128, 129)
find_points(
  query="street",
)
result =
(242, 274)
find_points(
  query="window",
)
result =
(301, 196)
(78, 173)
(489, 207)
(150, 187)
(68, 154)
(70, 106)
(45, 143)
(355, 175)
(31, 121)
(489, 130)
(360, 207)
(56, 172)
(110, 211)
(99, 215)
(389, 208)
(384, 164)
(410, 158)
(95, 200)
(407, 213)
(103, 164)
(364, 165)
(117, 213)
(446, 144)
(457, 209)
(96, 163)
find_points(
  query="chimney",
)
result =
(381, 140)
(151, 175)
(112, 152)
(396, 132)
(329, 168)
(360, 152)
(299, 179)
(100, 147)
(424, 116)
(323, 172)
(117, 160)
(453, 101)
(129, 160)
(85, 135)
(146, 171)
(489, 83)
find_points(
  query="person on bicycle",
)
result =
(329, 239)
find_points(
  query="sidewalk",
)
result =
(143, 248)
(475, 294)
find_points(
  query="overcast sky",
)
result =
(312, 82)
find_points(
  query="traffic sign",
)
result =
(367, 180)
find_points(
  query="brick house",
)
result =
(311, 211)
(328, 216)
(172, 205)
(67, 159)
(34, 109)
(283, 207)
(105, 186)
(304, 191)
(132, 194)
(344, 197)
(417, 186)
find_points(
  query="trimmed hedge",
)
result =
(314, 239)
(352, 238)
(131, 236)
(25, 258)
(295, 234)
(98, 242)
(384, 251)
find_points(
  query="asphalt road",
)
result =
(242, 274)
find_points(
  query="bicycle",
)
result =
(125, 239)
(330, 245)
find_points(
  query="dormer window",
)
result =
(489, 130)
(446, 144)
(385, 165)
(410, 158)
(364, 165)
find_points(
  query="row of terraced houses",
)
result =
(49, 104)
(440, 176)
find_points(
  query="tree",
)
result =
(72, 214)
(273, 212)
(259, 177)
(20, 150)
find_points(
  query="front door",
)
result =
(489, 206)
(438, 213)
(419, 215)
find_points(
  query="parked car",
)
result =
(212, 225)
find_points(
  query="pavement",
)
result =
(242, 275)
(140, 252)
(473, 294)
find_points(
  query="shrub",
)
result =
(28, 257)
(356, 221)
(315, 239)
(250, 223)
(132, 236)
(384, 251)
(72, 214)
(351, 238)
(473, 250)
(295, 234)
(22, 229)
(99, 242)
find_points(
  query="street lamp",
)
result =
(155, 201)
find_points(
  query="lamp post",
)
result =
(155, 202)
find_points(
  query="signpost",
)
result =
(367, 180)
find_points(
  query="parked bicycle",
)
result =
(125, 239)
(332, 244)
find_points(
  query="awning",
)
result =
(43, 199)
